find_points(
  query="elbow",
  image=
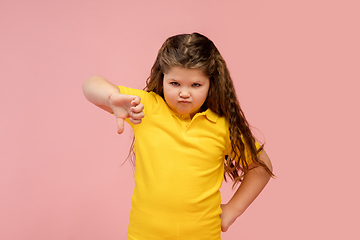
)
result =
(86, 86)
(89, 85)
(266, 160)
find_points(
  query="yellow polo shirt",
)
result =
(178, 172)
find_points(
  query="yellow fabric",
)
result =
(179, 171)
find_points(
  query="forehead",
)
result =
(185, 74)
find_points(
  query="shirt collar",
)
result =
(210, 115)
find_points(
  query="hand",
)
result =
(126, 106)
(228, 217)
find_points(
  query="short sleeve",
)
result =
(247, 153)
(132, 91)
(149, 99)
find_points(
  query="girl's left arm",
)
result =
(253, 183)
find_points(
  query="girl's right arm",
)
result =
(107, 96)
(98, 91)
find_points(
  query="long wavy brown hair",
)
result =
(198, 52)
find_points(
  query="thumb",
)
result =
(120, 125)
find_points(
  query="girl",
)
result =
(189, 130)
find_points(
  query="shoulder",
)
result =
(151, 100)
(131, 91)
(138, 92)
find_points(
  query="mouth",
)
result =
(184, 102)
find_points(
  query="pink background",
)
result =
(296, 67)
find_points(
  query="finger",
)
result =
(135, 121)
(136, 101)
(138, 108)
(137, 116)
(120, 125)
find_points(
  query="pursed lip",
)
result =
(183, 101)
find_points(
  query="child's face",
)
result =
(185, 90)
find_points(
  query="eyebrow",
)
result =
(172, 79)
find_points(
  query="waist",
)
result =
(170, 223)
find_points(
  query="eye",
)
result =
(196, 85)
(174, 83)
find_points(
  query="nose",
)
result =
(184, 93)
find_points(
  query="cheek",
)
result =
(205, 93)
(170, 92)
(169, 95)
